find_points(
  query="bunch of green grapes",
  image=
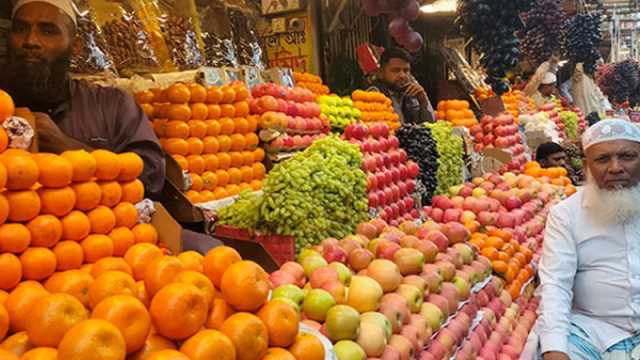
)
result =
(316, 194)
(450, 156)
(244, 213)
(570, 121)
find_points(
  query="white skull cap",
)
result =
(66, 6)
(549, 78)
(610, 130)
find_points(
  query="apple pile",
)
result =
(339, 111)
(391, 177)
(387, 290)
(375, 107)
(289, 117)
(500, 132)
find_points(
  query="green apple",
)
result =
(311, 263)
(349, 350)
(306, 253)
(343, 323)
(379, 320)
(344, 274)
(316, 304)
(290, 292)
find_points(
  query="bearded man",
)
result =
(590, 266)
(72, 114)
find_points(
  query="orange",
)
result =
(251, 140)
(7, 355)
(248, 334)
(209, 344)
(145, 233)
(210, 145)
(499, 266)
(198, 93)
(235, 176)
(154, 343)
(178, 93)
(199, 281)
(228, 95)
(55, 171)
(131, 166)
(46, 230)
(247, 158)
(256, 185)
(196, 182)
(144, 97)
(224, 160)
(245, 285)
(4, 209)
(57, 202)
(22, 170)
(182, 161)
(197, 128)
(168, 355)
(96, 247)
(227, 126)
(11, 273)
(126, 214)
(178, 311)
(88, 195)
(206, 195)
(107, 164)
(92, 339)
(7, 107)
(161, 272)
(109, 284)
(199, 111)
(41, 353)
(122, 238)
(72, 282)
(177, 129)
(216, 262)
(219, 312)
(191, 260)
(242, 125)
(179, 112)
(278, 354)
(219, 193)
(23, 205)
(281, 320)
(214, 95)
(69, 255)
(20, 301)
(75, 226)
(102, 220)
(237, 142)
(176, 146)
(247, 173)
(259, 171)
(84, 165)
(16, 344)
(253, 123)
(196, 164)
(132, 191)
(258, 155)
(209, 180)
(139, 256)
(495, 242)
(4, 322)
(111, 193)
(142, 294)
(38, 263)
(4, 139)
(307, 347)
(14, 238)
(214, 111)
(225, 143)
(242, 108)
(129, 315)
(196, 146)
(51, 317)
(227, 110)
(236, 159)
(110, 264)
(213, 127)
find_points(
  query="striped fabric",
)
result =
(582, 349)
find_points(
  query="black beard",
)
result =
(38, 86)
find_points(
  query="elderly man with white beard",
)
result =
(590, 266)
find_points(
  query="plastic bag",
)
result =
(245, 34)
(90, 54)
(127, 41)
(217, 34)
(179, 25)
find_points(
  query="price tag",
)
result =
(212, 76)
(373, 213)
(251, 76)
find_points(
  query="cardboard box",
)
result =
(490, 160)
(169, 231)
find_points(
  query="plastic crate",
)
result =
(281, 248)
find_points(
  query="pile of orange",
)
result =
(516, 102)
(509, 259)
(148, 305)
(554, 175)
(210, 133)
(457, 112)
(7, 106)
(484, 93)
(375, 107)
(310, 82)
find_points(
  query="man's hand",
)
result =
(51, 138)
(415, 89)
(555, 355)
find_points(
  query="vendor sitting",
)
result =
(72, 114)
(410, 100)
(553, 155)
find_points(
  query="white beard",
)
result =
(611, 206)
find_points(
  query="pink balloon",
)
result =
(399, 27)
(410, 11)
(413, 42)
